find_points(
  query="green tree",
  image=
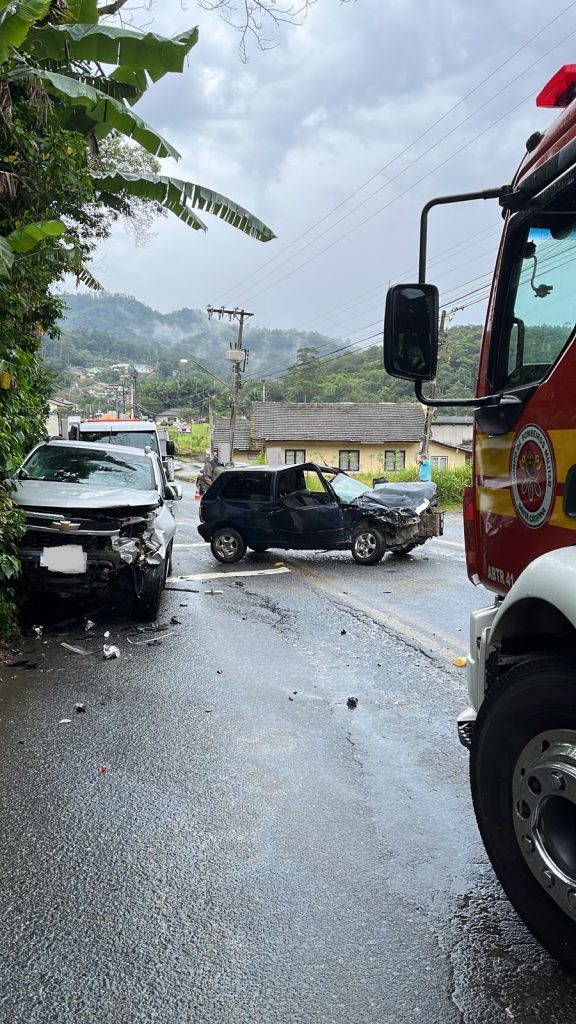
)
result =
(64, 177)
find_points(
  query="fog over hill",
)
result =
(103, 323)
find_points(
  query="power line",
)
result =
(409, 146)
(395, 198)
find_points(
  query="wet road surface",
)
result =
(255, 851)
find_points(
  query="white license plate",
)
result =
(68, 558)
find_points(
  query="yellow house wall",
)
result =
(455, 457)
(327, 453)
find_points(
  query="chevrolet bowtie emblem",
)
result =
(65, 525)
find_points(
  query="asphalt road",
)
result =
(254, 851)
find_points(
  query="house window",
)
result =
(349, 460)
(294, 455)
(394, 459)
(439, 461)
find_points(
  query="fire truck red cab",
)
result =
(520, 524)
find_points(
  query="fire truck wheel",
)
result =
(523, 779)
(228, 545)
(368, 546)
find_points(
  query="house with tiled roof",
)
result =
(369, 438)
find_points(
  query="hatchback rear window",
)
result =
(247, 487)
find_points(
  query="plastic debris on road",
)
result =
(352, 703)
(37, 630)
(213, 591)
(153, 641)
(75, 650)
(88, 625)
(80, 709)
(103, 769)
(64, 721)
(110, 651)
(459, 662)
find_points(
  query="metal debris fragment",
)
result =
(110, 651)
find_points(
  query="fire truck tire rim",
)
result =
(544, 812)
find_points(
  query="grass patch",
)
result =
(194, 443)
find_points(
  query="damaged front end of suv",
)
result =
(96, 520)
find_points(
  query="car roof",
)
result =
(118, 449)
(278, 469)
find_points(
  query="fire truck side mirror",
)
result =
(411, 331)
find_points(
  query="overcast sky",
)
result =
(300, 129)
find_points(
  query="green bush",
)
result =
(194, 443)
(12, 527)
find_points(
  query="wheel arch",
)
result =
(224, 524)
(538, 615)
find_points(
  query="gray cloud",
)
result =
(294, 132)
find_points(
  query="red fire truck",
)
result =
(520, 524)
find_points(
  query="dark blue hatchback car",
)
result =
(311, 507)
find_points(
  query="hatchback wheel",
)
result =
(368, 546)
(228, 545)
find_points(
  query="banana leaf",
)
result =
(83, 12)
(27, 238)
(179, 196)
(108, 44)
(17, 24)
(104, 112)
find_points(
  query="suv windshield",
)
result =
(95, 469)
(346, 487)
(126, 438)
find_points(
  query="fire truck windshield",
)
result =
(540, 306)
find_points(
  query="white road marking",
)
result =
(449, 543)
(219, 575)
(196, 544)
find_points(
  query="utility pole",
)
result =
(238, 356)
(429, 409)
(134, 393)
(210, 423)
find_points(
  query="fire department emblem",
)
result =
(533, 476)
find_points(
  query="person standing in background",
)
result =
(424, 467)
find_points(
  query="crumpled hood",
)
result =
(399, 495)
(60, 496)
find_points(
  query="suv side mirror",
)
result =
(170, 449)
(411, 331)
(174, 492)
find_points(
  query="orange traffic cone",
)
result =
(197, 496)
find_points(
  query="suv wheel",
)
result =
(227, 545)
(149, 594)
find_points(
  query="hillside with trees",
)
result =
(187, 352)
